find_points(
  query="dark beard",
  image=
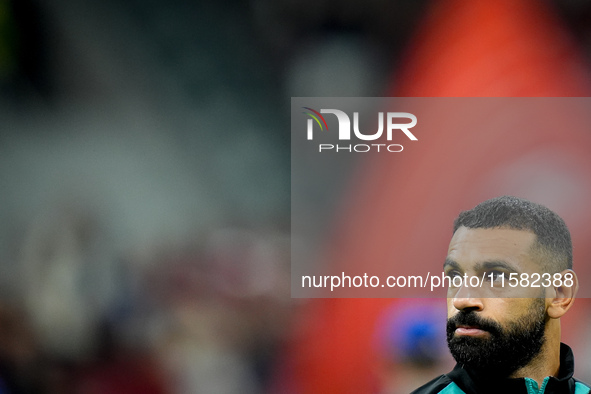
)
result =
(506, 349)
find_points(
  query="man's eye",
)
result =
(495, 275)
(453, 274)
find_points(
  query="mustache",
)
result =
(473, 320)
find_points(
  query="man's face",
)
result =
(487, 330)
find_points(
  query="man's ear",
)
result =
(564, 294)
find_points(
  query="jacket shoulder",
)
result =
(440, 385)
(581, 387)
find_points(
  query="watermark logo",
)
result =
(394, 122)
(314, 116)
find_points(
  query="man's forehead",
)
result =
(469, 245)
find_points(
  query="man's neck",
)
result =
(546, 363)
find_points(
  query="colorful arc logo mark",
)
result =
(315, 116)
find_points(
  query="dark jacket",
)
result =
(463, 381)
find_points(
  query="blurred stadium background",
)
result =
(145, 183)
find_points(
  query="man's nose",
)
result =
(465, 301)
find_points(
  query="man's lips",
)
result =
(470, 330)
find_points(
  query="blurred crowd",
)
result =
(145, 202)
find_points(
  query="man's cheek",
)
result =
(451, 311)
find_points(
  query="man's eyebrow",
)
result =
(451, 264)
(484, 266)
(488, 265)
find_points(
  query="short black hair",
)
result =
(552, 235)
